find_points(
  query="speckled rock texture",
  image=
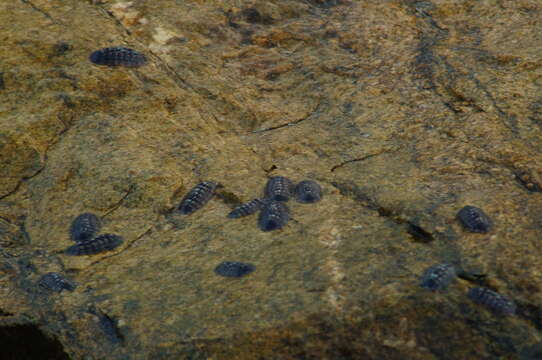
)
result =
(403, 111)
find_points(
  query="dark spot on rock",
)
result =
(246, 36)
(66, 100)
(228, 197)
(272, 75)
(234, 269)
(61, 48)
(253, 16)
(347, 107)
(419, 234)
(331, 34)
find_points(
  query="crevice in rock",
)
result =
(119, 203)
(35, 8)
(28, 342)
(145, 233)
(117, 21)
(295, 122)
(273, 167)
(17, 187)
(57, 138)
(5, 313)
(444, 88)
(26, 235)
(352, 191)
(418, 233)
(107, 325)
(358, 159)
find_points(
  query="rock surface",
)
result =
(404, 111)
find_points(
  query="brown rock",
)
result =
(404, 111)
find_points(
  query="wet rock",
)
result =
(403, 111)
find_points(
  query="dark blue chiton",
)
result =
(102, 243)
(474, 219)
(246, 209)
(197, 197)
(494, 301)
(278, 188)
(274, 215)
(438, 277)
(55, 282)
(234, 269)
(84, 227)
(308, 191)
(118, 56)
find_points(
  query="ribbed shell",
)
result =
(197, 197)
(438, 277)
(84, 227)
(278, 188)
(494, 301)
(274, 215)
(118, 56)
(474, 219)
(246, 209)
(55, 282)
(102, 243)
(308, 191)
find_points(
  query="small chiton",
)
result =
(494, 301)
(246, 209)
(55, 282)
(474, 219)
(102, 243)
(308, 191)
(274, 215)
(234, 269)
(84, 227)
(278, 188)
(438, 277)
(118, 56)
(197, 197)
